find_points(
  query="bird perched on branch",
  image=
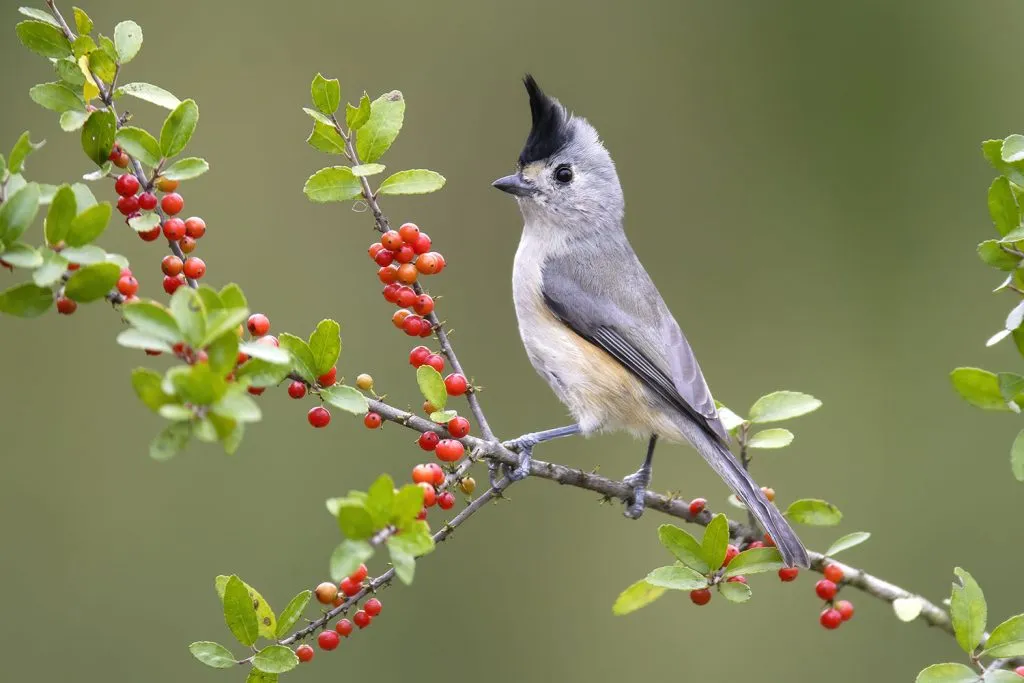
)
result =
(607, 345)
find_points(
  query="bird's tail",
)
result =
(732, 473)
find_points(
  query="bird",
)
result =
(595, 326)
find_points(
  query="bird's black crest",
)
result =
(550, 131)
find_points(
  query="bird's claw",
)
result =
(638, 481)
(523, 446)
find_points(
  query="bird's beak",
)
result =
(516, 185)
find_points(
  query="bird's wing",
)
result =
(661, 358)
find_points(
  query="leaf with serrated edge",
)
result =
(292, 612)
(968, 611)
(755, 561)
(239, 614)
(771, 438)
(782, 405)
(346, 398)
(178, 128)
(684, 546)
(325, 346)
(275, 659)
(734, 591)
(948, 673)
(415, 181)
(1007, 639)
(814, 512)
(387, 113)
(152, 94)
(716, 541)
(432, 387)
(677, 577)
(213, 654)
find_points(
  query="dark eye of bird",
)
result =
(563, 174)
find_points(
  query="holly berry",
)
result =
(257, 391)
(391, 240)
(319, 417)
(399, 317)
(405, 254)
(374, 248)
(787, 574)
(362, 619)
(407, 273)
(446, 501)
(343, 627)
(127, 285)
(409, 232)
(350, 587)
(195, 227)
(384, 257)
(150, 235)
(421, 474)
(364, 382)
(429, 263)
(825, 589)
(387, 274)
(359, 574)
(174, 229)
(194, 267)
(258, 324)
(412, 324)
(458, 427)
(435, 361)
(128, 205)
(171, 284)
(372, 421)
(436, 472)
(405, 296)
(1019, 671)
(147, 201)
(297, 389)
(328, 640)
(328, 378)
(845, 609)
(66, 306)
(114, 152)
(126, 185)
(172, 204)
(422, 243)
(697, 506)
(422, 515)
(424, 304)
(429, 494)
(428, 441)
(390, 292)
(326, 592)
(122, 160)
(833, 573)
(418, 356)
(701, 596)
(304, 653)
(372, 607)
(467, 485)
(731, 552)
(769, 493)
(831, 619)
(171, 265)
(449, 450)
(165, 185)
(187, 244)
(456, 384)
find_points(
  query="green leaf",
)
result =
(716, 541)
(222, 321)
(267, 352)
(734, 591)
(152, 94)
(153, 319)
(239, 614)
(88, 225)
(387, 113)
(347, 557)
(186, 169)
(356, 117)
(415, 181)
(171, 441)
(232, 297)
(22, 148)
(98, 138)
(56, 97)
(127, 40)
(21, 255)
(325, 346)
(992, 253)
(140, 144)
(968, 611)
(92, 282)
(103, 61)
(82, 21)
(354, 519)
(213, 654)
(346, 398)
(948, 673)
(85, 256)
(43, 38)
(366, 170)
(846, 542)
(18, 212)
(755, 561)
(771, 438)
(275, 659)
(178, 128)
(640, 594)
(325, 138)
(326, 94)
(71, 121)
(684, 546)
(402, 560)
(814, 512)
(443, 416)
(677, 577)
(134, 339)
(782, 405)
(261, 373)
(302, 357)
(1000, 676)
(223, 353)
(730, 420)
(53, 267)
(176, 412)
(292, 612)
(1013, 149)
(317, 116)
(264, 615)
(1017, 457)
(432, 386)
(190, 314)
(100, 173)
(907, 609)
(1007, 639)
(26, 300)
(237, 405)
(39, 14)
(257, 676)
(81, 47)
(147, 385)
(334, 184)
(408, 503)
(380, 501)
(1002, 206)
(979, 387)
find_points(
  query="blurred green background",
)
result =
(804, 183)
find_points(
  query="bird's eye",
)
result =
(563, 174)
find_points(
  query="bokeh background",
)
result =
(804, 183)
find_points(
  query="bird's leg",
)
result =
(524, 447)
(639, 481)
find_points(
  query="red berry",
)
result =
(845, 609)
(297, 389)
(422, 244)
(409, 232)
(328, 640)
(115, 151)
(171, 284)
(269, 339)
(171, 265)
(768, 540)
(755, 544)
(421, 474)
(174, 229)
(128, 205)
(429, 494)
(374, 248)
(458, 427)
(318, 416)
(153, 352)
(428, 441)
(126, 185)
(172, 204)
(241, 358)
(187, 244)
(411, 324)
(326, 592)
(328, 378)
(1019, 671)
(418, 356)
(788, 574)
(66, 306)
(372, 421)
(258, 324)
(399, 317)
(127, 285)
(422, 515)
(195, 227)
(446, 501)
(825, 589)
(390, 292)
(165, 185)
(391, 240)
(437, 473)
(456, 384)
(424, 305)
(407, 273)
(257, 391)
(449, 450)
(343, 627)
(831, 619)
(122, 160)
(350, 587)
(147, 201)
(833, 573)
(72, 267)
(435, 361)
(736, 579)
(362, 619)
(697, 506)
(384, 257)
(150, 235)
(701, 596)
(194, 267)
(359, 574)
(731, 552)
(427, 330)
(387, 274)
(405, 254)
(372, 607)
(429, 263)
(406, 296)
(304, 653)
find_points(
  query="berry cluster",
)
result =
(328, 593)
(836, 611)
(403, 255)
(702, 596)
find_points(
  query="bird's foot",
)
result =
(523, 446)
(638, 481)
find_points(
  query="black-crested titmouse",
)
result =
(593, 323)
